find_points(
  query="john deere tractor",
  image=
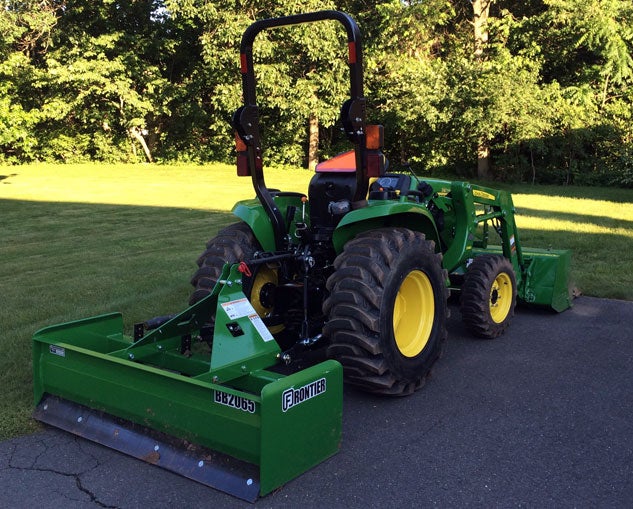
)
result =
(362, 264)
(350, 278)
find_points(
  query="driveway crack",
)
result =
(30, 465)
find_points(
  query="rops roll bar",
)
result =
(246, 118)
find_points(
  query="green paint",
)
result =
(229, 403)
(253, 214)
(382, 213)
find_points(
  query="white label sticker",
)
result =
(261, 328)
(57, 350)
(238, 308)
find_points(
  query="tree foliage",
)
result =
(545, 86)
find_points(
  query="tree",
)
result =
(96, 80)
(27, 30)
(584, 50)
(536, 89)
(407, 77)
(481, 12)
(301, 73)
(106, 62)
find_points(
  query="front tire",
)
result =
(488, 296)
(387, 310)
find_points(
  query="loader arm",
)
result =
(474, 207)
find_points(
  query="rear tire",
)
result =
(488, 296)
(233, 244)
(387, 310)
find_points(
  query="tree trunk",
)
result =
(483, 160)
(135, 132)
(313, 142)
(481, 9)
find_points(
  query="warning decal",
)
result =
(261, 328)
(238, 308)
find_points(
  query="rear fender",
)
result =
(254, 215)
(398, 214)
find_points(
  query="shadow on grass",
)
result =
(66, 261)
(609, 194)
(604, 221)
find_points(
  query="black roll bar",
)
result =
(246, 118)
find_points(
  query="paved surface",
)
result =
(538, 418)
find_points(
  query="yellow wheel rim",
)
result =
(413, 313)
(264, 276)
(500, 297)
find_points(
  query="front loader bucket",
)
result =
(546, 278)
(254, 429)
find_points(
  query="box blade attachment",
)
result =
(211, 468)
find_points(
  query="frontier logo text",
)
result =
(292, 397)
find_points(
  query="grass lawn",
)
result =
(81, 240)
(596, 224)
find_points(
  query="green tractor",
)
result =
(348, 280)
(363, 263)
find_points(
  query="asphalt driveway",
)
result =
(538, 418)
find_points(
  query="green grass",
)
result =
(595, 224)
(82, 240)
(78, 241)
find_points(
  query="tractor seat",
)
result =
(332, 190)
